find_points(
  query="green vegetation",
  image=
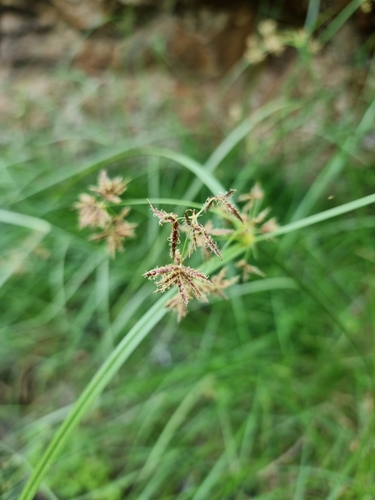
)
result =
(266, 395)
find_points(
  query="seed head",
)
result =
(178, 305)
(109, 189)
(198, 235)
(183, 277)
(256, 193)
(91, 212)
(247, 270)
(270, 226)
(223, 200)
(172, 218)
(219, 283)
(115, 232)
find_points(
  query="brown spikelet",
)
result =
(261, 216)
(216, 231)
(231, 209)
(178, 305)
(256, 193)
(162, 215)
(218, 284)
(270, 226)
(172, 218)
(174, 238)
(183, 277)
(187, 218)
(198, 234)
(223, 200)
(157, 213)
(182, 290)
(210, 243)
(248, 270)
(159, 271)
(115, 232)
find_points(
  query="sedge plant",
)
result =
(202, 245)
(239, 229)
(187, 235)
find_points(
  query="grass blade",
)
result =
(204, 175)
(322, 216)
(95, 387)
(235, 137)
(18, 219)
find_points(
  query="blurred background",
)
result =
(266, 395)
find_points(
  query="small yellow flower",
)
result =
(274, 44)
(267, 27)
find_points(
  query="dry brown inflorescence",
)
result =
(98, 212)
(101, 211)
(190, 282)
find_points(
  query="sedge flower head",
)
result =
(97, 212)
(223, 199)
(256, 193)
(198, 234)
(270, 226)
(219, 283)
(115, 232)
(109, 189)
(177, 305)
(172, 218)
(248, 270)
(267, 27)
(183, 277)
(91, 212)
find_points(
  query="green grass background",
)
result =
(268, 395)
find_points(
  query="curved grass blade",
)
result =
(327, 214)
(235, 137)
(41, 227)
(97, 384)
(264, 285)
(65, 174)
(196, 168)
(340, 19)
(162, 201)
(23, 220)
(335, 166)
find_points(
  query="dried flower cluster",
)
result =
(189, 282)
(100, 212)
